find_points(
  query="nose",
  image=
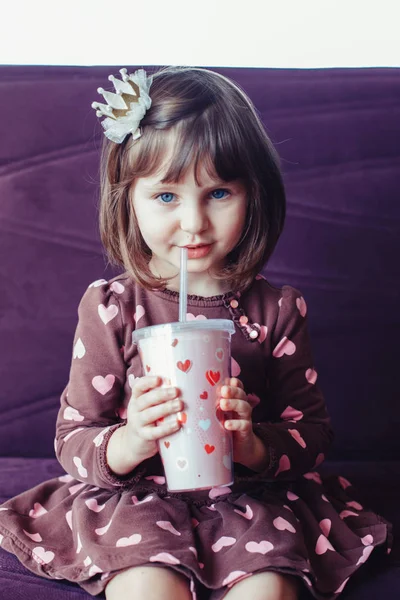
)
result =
(194, 218)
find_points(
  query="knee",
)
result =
(152, 583)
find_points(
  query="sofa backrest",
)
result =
(337, 132)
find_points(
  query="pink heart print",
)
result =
(263, 333)
(103, 384)
(223, 542)
(103, 530)
(367, 540)
(134, 539)
(191, 317)
(325, 526)
(313, 476)
(165, 557)
(365, 554)
(341, 587)
(158, 479)
(234, 576)
(261, 547)
(140, 312)
(345, 483)
(117, 287)
(94, 506)
(347, 513)
(41, 556)
(285, 346)
(291, 413)
(320, 459)
(311, 376)
(291, 496)
(167, 526)
(81, 469)
(219, 491)
(296, 436)
(36, 537)
(76, 488)
(323, 545)
(107, 314)
(302, 306)
(72, 414)
(235, 368)
(283, 525)
(247, 515)
(284, 464)
(37, 511)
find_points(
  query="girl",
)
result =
(188, 163)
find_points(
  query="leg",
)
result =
(265, 586)
(152, 583)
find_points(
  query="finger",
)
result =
(155, 413)
(241, 407)
(229, 391)
(156, 432)
(156, 396)
(235, 382)
(242, 425)
(145, 384)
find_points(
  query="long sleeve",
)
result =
(300, 434)
(88, 411)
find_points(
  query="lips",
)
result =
(198, 251)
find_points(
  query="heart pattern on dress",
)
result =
(37, 511)
(296, 436)
(302, 306)
(323, 545)
(41, 556)
(117, 287)
(139, 313)
(260, 547)
(223, 542)
(283, 525)
(165, 557)
(285, 346)
(107, 314)
(79, 349)
(103, 384)
(133, 540)
(167, 526)
(311, 376)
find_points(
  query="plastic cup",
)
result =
(196, 358)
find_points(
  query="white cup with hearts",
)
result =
(195, 357)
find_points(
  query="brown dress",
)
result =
(90, 524)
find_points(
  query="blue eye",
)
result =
(166, 198)
(219, 192)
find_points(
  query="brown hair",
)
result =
(215, 122)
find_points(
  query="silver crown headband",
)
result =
(126, 108)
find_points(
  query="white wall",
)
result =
(261, 33)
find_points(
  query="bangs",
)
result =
(203, 142)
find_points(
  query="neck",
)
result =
(198, 284)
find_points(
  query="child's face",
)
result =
(174, 215)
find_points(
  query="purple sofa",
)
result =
(338, 134)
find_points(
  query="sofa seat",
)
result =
(376, 481)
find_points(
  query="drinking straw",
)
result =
(183, 286)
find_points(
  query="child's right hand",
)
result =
(150, 403)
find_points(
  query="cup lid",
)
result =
(175, 328)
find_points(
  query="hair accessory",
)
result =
(126, 108)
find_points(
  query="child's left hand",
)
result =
(245, 443)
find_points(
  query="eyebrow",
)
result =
(213, 183)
